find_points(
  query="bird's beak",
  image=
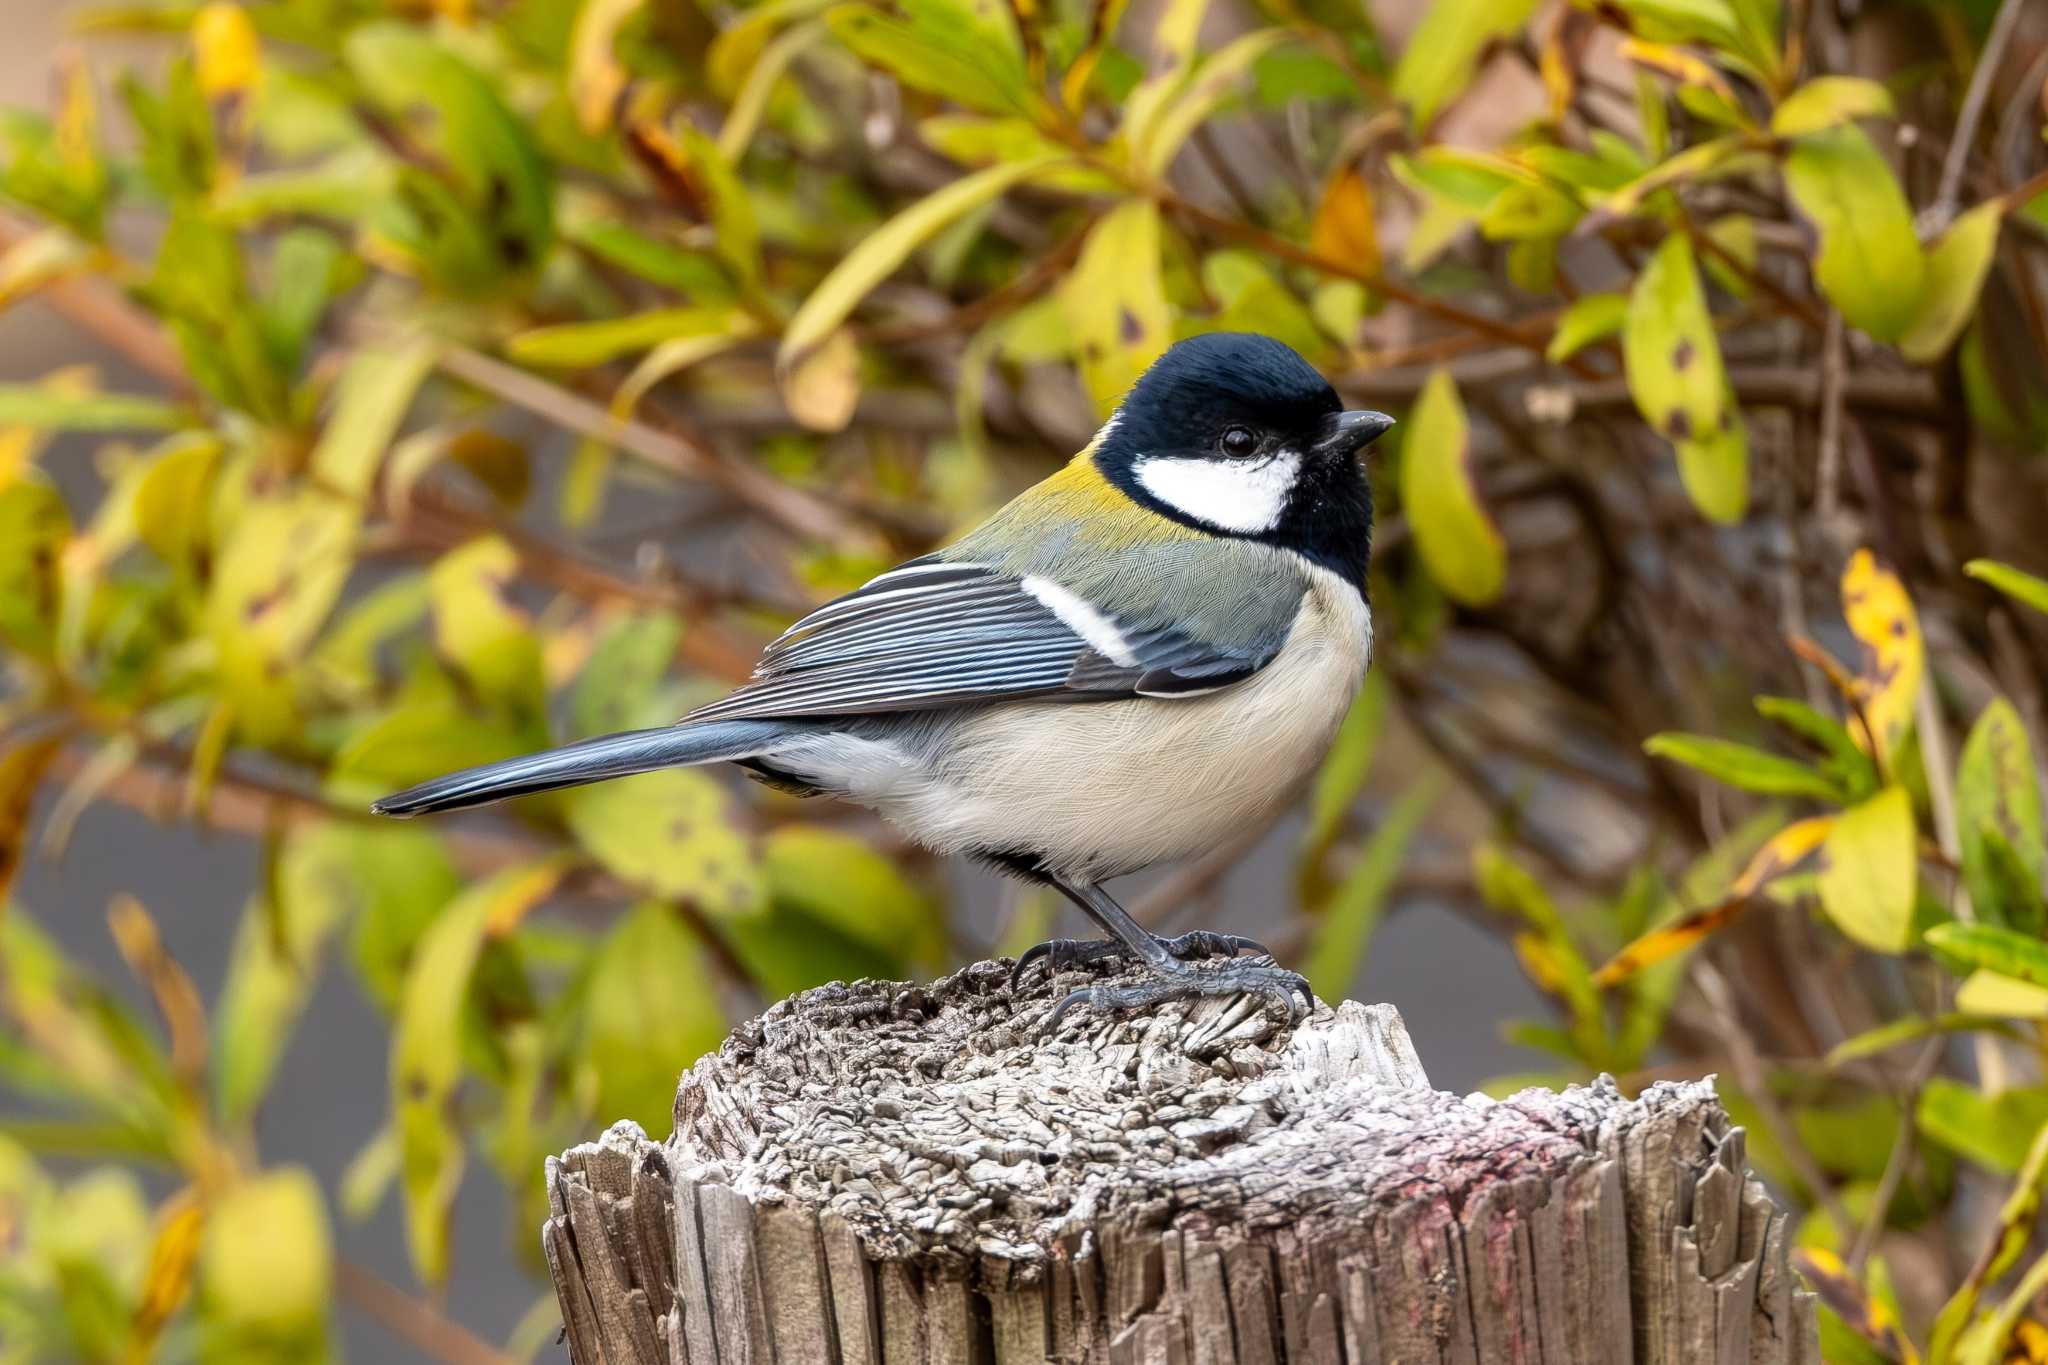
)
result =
(1345, 433)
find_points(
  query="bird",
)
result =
(1127, 664)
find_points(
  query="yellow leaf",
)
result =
(1987, 992)
(1344, 230)
(168, 1281)
(479, 631)
(1863, 1313)
(227, 56)
(1675, 62)
(1786, 849)
(1956, 267)
(822, 388)
(882, 251)
(1888, 675)
(177, 999)
(1463, 549)
(1868, 882)
(21, 770)
(269, 1260)
(596, 79)
(1115, 301)
(1826, 101)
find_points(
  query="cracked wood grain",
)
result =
(886, 1174)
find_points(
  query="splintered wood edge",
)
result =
(1298, 1190)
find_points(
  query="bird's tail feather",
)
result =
(590, 760)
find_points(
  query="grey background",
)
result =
(1453, 982)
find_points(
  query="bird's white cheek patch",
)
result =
(1246, 496)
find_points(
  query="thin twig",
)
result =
(1988, 61)
(99, 309)
(1828, 475)
(1749, 1073)
(799, 512)
(1901, 1156)
(413, 1320)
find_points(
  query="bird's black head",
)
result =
(1237, 434)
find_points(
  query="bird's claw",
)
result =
(1276, 984)
(1060, 953)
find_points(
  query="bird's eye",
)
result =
(1239, 441)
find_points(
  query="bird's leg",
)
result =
(1131, 940)
(1175, 979)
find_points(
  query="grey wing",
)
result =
(933, 634)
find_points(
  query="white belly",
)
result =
(1096, 790)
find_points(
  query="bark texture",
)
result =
(882, 1174)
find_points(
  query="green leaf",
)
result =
(425, 737)
(1458, 541)
(618, 685)
(1846, 762)
(1740, 765)
(836, 879)
(487, 205)
(2017, 584)
(1825, 101)
(1678, 382)
(1591, 318)
(1956, 267)
(1345, 769)
(965, 50)
(1885, 1037)
(173, 502)
(882, 251)
(49, 409)
(671, 834)
(1345, 928)
(278, 574)
(1868, 883)
(272, 969)
(2023, 957)
(649, 1011)
(1438, 62)
(1870, 264)
(1999, 818)
(1115, 301)
(370, 404)
(34, 528)
(583, 345)
(692, 274)
(426, 1049)
(1993, 1131)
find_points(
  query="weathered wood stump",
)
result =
(882, 1174)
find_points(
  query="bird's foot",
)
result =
(1060, 953)
(1276, 984)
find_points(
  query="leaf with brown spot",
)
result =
(1888, 676)
(1678, 381)
(1846, 1298)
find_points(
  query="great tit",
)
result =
(1128, 663)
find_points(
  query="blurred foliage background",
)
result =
(1709, 612)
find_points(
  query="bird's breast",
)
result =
(1100, 789)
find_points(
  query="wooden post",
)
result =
(883, 1174)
